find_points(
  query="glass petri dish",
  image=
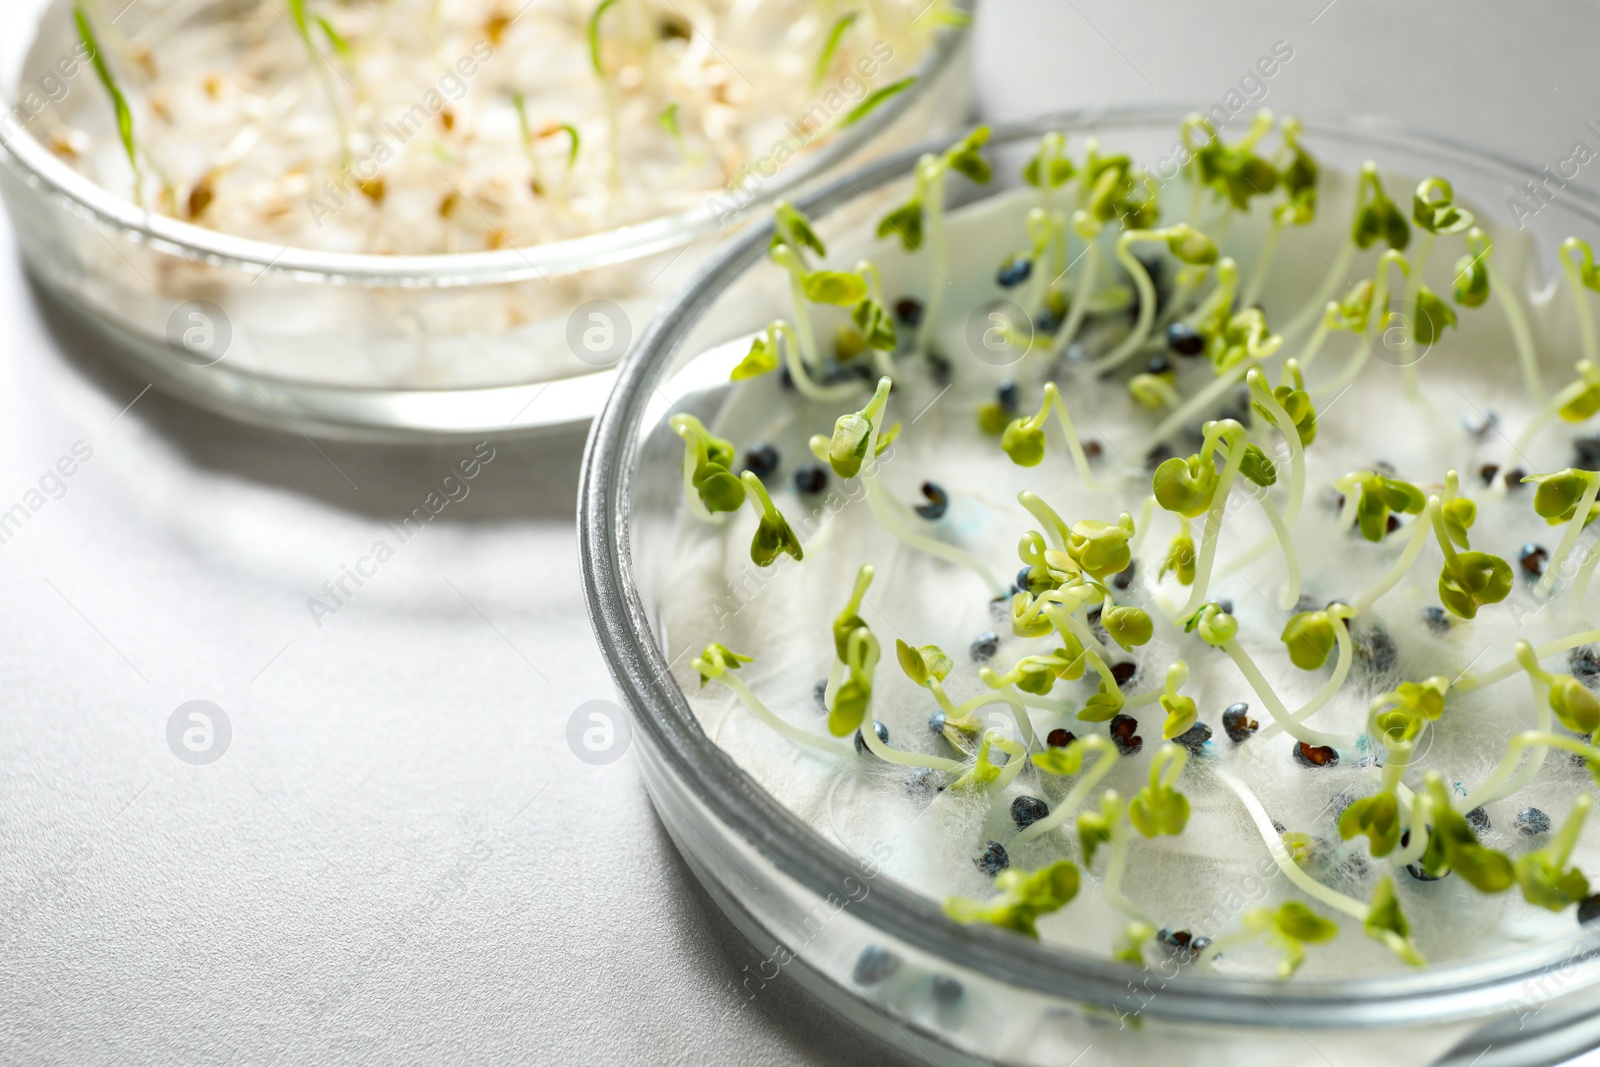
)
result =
(446, 345)
(820, 914)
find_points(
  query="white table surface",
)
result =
(398, 859)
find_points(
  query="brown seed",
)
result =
(1316, 755)
(1488, 471)
(1060, 737)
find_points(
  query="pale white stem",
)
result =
(787, 729)
(1521, 335)
(1420, 527)
(1280, 855)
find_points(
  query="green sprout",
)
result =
(1235, 172)
(830, 47)
(717, 659)
(852, 433)
(1452, 845)
(1566, 496)
(1582, 273)
(1024, 438)
(922, 215)
(773, 535)
(119, 102)
(1158, 808)
(1310, 638)
(1185, 243)
(1543, 874)
(1289, 929)
(1024, 897)
(1101, 548)
(1378, 497)
(1377, 216)
(984, 772)
(1181, 710)
(1386, 923)
(302, 25)
(709, 483)
(876, 99)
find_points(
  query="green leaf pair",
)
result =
(1574, 705)
(1023, 441)
(1433, 207)
(716, 660)
(761, 359)
(1290, 928)
(1472, 271)
(875, 324)
(1380, 496)
(1024, 897)
(1385, 922)
(1180, 558)
(923, 665)
(1186, 486)
(1476, 579)
(1310, 638)
(1158, 808)
(1378, 217)
(1243, 336)
(710, 462)
(1095, 828)
(1543, 875)
(1235, 172)
(1215, 626)
(1432, 317)
(1558, 495)
(1453, 845)
(792, 228)
(1377, 818)
(1101, 548)
(1296, 402)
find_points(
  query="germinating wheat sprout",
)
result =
(1314, 564)
(444, 126)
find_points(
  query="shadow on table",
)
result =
(807, 1029)
(376, 480)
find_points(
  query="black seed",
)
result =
(1315, 755)
(1588, 453)
(1340, 801)
(1415, 870)
(938, 502)
(874, 965)
(947, 992)
(1532, 821)
(1159, 365)
(1014, 273)
(1092, 616)
(1385, 468)
(1479, 425)
(1123, 734)
(1000, 609)
(1589, 908)
(1533, 558)
(1237, 723)
(1514, 478)
(1047, 321)
(1584, 664)
(1182, 943)
(1392, 525)
(811, 478)
(1226, 604)
(1022, 579)
(1194, 737)
(938, 368)
(1488, 471)
(878, 728)
(1437, 618)
(994, 859)
(908, 309)
(819, 694)
(936, 722)
(1376, 650)
(761, 460)
(1008, 395)
(1060, 737)
(923, 783)
(985, 645)
(1479, 820)
(785, 379)
(1025, 811)
(1185, 339)
(1123, 672)
(1124, 578)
